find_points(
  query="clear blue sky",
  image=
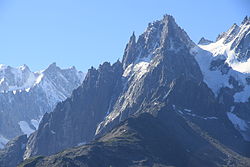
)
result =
(86, 33)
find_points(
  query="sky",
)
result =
(85, 33)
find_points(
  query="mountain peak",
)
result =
(129, 57)
(53, 65)
(24, 67)
(229, 35)
(51, 68)
(204, 41)
(162, 34)
(172, 35)
(246, 20)
(168, 18)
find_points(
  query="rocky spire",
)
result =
(129, 53)
(230, 34)
(204, 41)
(246, 19)
(162, 34)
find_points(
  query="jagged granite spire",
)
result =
(229, 35)
(245, 20)
(160, 34)
(74, 120)
(129, 55)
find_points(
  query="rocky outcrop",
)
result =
(204, 41)
(13, 152)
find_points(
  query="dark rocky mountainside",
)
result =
(13, 152)
(165, 140)
(74, 121)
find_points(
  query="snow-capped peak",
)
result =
(234, 46)
(162, 34)
(24, 67)
(21, 78)
(226, 59)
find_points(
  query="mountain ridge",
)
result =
(26, 96)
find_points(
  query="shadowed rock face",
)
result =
(13, 152)
(165, 140)
(74, 121)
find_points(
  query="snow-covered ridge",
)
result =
(220, 62)
(226, 47)
(22, 79)
(26, 96)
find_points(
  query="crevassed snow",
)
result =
(237, 122)
(214, 79)
(25, 127)
(221, 49)
(3, 142)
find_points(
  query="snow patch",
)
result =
(188, 110)
(3, 140)
(82, 143)
(25, 128)
(237, 122)
(139, 68)
(53, 132)
(35, 123)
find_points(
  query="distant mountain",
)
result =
(169, 102)
(25, 96)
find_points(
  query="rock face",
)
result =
(13, 152)
(167, 139)
(204, 41)
(25, 96)
(162, 57)
(74, 121)
(164, 80)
